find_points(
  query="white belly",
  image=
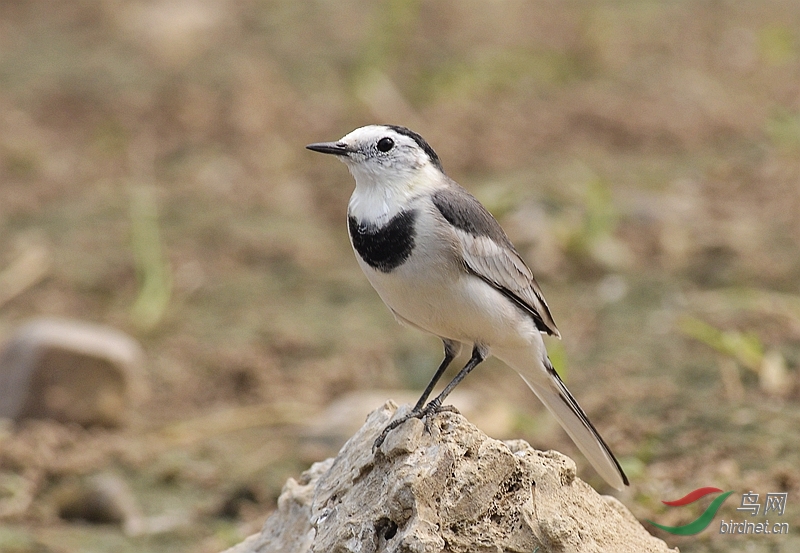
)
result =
(443, 299)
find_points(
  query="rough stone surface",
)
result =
(71, 371)
(447, 487)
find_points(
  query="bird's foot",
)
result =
(430, 409)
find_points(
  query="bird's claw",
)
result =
(423, 414)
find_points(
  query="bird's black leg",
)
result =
(451, 349)
(478, 354)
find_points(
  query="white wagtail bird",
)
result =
(442, 264)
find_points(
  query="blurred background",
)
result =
(644, 157)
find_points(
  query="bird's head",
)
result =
(384, 156)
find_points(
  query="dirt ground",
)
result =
(643, 156)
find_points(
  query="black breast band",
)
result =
(384, 248)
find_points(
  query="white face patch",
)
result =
(387, 181)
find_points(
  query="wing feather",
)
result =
(488, 253)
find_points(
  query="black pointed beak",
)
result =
(335, 148)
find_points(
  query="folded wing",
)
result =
(488, 254)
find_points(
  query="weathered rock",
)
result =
(447, 487)
(72, 372)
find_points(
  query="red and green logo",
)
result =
(701, 522)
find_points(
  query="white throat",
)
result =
(379, 197)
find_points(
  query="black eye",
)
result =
(385, 144)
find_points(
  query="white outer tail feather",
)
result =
(552, 391)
